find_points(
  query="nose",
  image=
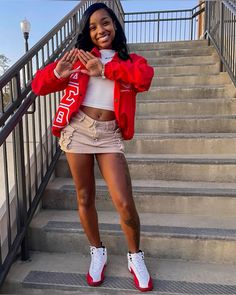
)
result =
(100, 30)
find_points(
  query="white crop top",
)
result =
(100, 92)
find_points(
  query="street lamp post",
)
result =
(25, 28)
(20, 153)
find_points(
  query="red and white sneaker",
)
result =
(137, 267)
(98, 263)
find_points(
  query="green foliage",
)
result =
(4, 61)
(4, 65)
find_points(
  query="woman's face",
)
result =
(102, 29)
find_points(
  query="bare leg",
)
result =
(115, 171)
(82, 170)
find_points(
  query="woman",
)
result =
(101, 80)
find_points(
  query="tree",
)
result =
(4, 61)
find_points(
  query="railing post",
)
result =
(208, 21)
(113, 5)
(221, 33)
(75, 23)
(158, 27)
(21, 184)
(191, 37)
(21, 178)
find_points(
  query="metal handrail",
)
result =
(161, 26)
(221, 32)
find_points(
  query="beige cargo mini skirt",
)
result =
(85, 135)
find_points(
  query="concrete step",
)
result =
(170, 236)
(185, 124)
(64, 273)
(191, 80)
(212, 168)
(210, 68)
(181, 107)
(152, 196)
(189, 92)
(183, 60)
(174, 52)
(168, 45)
(182, 143)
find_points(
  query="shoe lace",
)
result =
(140, 264)
(97, 259)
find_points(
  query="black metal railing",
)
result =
(28, 151)
(221, 31)
(160, 26)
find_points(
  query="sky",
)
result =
(43, 15)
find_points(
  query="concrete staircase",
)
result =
(183, 167)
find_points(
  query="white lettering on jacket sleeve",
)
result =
(62, 116)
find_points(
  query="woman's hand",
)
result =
(92, 63)
(65, 65)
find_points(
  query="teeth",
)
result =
(105, 38)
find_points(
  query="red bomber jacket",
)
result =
(130, 77)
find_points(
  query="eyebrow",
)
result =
(105, 17)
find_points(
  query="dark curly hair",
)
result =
(84, 41)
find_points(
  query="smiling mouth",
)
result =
(103, 38)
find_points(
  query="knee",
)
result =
(86, 198)
(127, 209)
